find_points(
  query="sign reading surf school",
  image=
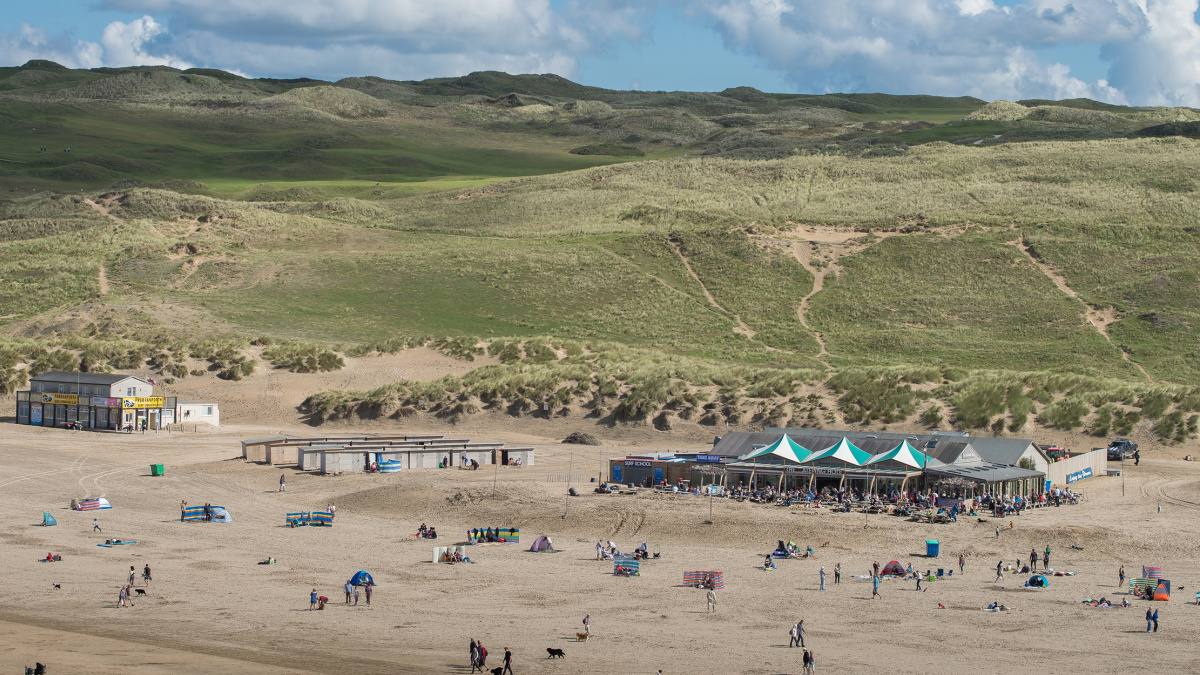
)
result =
(638, 462)
(60, 399)
(142, 402)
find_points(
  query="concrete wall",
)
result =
(1096, 460)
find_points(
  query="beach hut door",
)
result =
(658, 474)
(616, 473)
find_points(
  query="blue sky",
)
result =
(1123, 51)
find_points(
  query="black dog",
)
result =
(58, 586)
(497, 671)
(140, 591)
(555, 653)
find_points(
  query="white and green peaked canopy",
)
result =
(904, 454)
(844, 451)
(784, 448)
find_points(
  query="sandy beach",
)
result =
(211, 609)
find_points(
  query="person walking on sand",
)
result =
(96, 526)
(812, 663)
(1046, 558)
(962, 562)
(367, 592)
(1032, 560)
(312, 600)
(876, 568)
(918, 582)
(805, 661)
(822, 578)
(800, 632)
(474, 654)
(837, 573)
(146, 574)
(348, 589)
(875, 587)
(712, 600)
(793, 635)
(1154, 618)
(1149, 619)
(1121, 576)
(132, 575)
(282, 483)
(356, 596)
(997, 531)
(507, 662)
(182, 510)
(1000, 571)
(121, 603)
(587, 624)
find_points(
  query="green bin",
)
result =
(157, 470)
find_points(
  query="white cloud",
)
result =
(30, 42)
(949, 47)
(125, 44)
(391, 38)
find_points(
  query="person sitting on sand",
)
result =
(432, 534)
(422, 529)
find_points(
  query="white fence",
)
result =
(1079, 467)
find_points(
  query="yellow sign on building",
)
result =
(142, 402)
(60, 399)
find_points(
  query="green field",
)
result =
(368, 214)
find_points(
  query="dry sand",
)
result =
(211, 609)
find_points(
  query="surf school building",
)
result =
(93, 401)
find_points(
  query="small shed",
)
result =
(196, 412)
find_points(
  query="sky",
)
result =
(1137, 52)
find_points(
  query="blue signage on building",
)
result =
(1079, 475)
(708, 458)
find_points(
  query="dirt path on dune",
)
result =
(1098, 319)
(802, 251)
(105, 210)
(741, 325)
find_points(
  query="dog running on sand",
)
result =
(582, 637)
(140, 591)
(555, 653)
(58, 587)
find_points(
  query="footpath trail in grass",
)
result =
(1098, 320)
(925, 299)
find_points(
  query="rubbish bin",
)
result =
(156, 470)
(931, 547)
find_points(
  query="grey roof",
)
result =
(82, 378)
(948, 453)
(985, 472)
(1002, 450)
(946, 447)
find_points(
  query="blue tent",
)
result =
(1037, 581)
(48, 519)
(362, 579)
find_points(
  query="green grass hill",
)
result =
(695, 255)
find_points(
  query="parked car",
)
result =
(1121, 449)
